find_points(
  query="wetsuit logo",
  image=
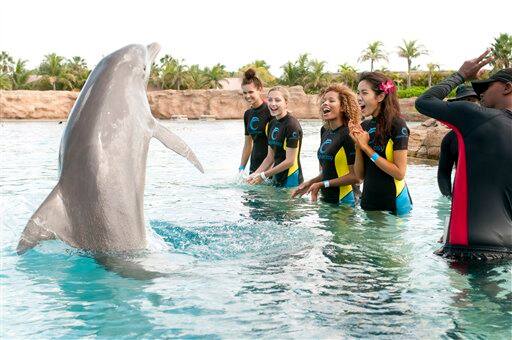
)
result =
(372, 130)
(254, 123)
(295, 135)
(273, 135)
(403, 133)
(324, 144)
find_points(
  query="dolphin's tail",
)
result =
(48, 222)
(176, 144)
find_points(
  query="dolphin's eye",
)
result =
(144, 68)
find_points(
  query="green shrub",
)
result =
(413, 91)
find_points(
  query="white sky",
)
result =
(235, 33)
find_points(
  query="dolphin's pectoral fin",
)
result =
(176, 144)
(48, 222)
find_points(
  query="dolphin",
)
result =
(97, 204)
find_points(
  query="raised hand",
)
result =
(471, 69)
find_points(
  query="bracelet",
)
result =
(374, 157)
(241, 168)
(326, 184)
(263, 177)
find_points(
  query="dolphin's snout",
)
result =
(153, 50)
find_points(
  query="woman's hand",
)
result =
(361, 138)
(313, 190)
(301, 189)
(255, 178)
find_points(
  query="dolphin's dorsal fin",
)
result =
(49, 222)
(176, 144)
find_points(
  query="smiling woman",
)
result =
(256, 121)
(336, 152)
(285, 139)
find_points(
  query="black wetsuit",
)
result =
(481, 216)
(447, 158)
(380, 190)
(256, 124)
(335, 154)
(286, 133)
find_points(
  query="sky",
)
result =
(235, 33)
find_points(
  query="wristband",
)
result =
(241, 168)
(263, 177)
(326, 184)
(374, 157)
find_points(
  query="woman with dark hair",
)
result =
(381, 146)
(256, 121)
(336, 154)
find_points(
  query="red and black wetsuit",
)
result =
(481, 216)
(447, 158)
(256, 125)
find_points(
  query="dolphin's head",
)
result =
(134, 61)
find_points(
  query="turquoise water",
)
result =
(239, 261)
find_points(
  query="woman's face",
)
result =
(276, 103)
(252, 94)
(331, 106)
(368, 100)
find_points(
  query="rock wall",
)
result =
(218, 104)
(425, 140)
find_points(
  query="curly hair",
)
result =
(350, 110)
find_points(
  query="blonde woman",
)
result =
(282, 163)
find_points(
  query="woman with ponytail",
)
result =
(256, 120)
(336, 154)
(381, 146)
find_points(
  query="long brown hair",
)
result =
(350, 110)
(389, 108)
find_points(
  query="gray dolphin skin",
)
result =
(97, 204)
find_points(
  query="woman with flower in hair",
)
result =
(381, 146)
(256, 120)
(336, 154)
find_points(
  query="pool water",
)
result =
(235, 261)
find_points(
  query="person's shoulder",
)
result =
(399, 122)
(293, 120)
(322, 130)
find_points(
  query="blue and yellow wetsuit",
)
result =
(335, 154)
(380, 190)
(286, 133)
(256, 125)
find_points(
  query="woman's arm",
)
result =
(304, 187)
(395, 169)
(291, 154)
(359, 164)
(246, 152)
(348, 179)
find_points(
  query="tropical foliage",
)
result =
(373, 52)
(502, 51)
(410, 50)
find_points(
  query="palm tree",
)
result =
(260, 64)
(502, 51)
(195, 78)
(431, 69)
(317, 77)
(6, 63)
(76, 67)
(215, 75)
(20, 75)
(296, 73)
(172, 72)
(53, 70)
(373, 53)
(348, 74)
(410, 50)
(5, 82)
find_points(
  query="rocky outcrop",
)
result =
(425, 140)
(192, 104)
